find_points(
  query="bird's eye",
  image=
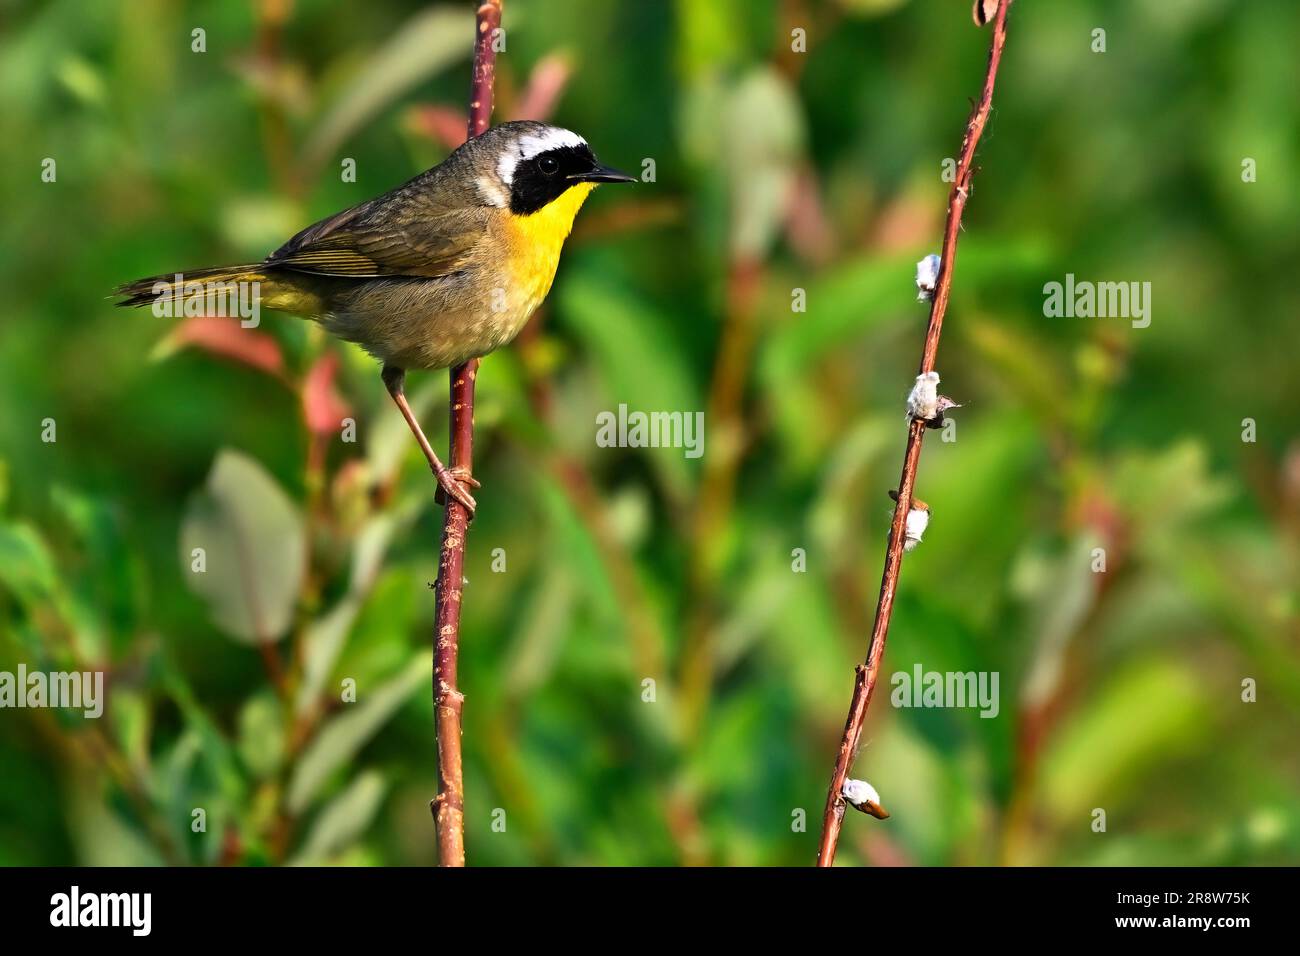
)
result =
(549, 165)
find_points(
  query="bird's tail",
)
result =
(200, 287)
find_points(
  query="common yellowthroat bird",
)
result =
(445, 268)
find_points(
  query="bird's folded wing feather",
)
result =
(394, 235)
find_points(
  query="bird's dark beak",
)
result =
(602, 174)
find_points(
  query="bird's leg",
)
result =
(451, 481)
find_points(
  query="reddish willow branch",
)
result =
(867, 672)
(448, 701)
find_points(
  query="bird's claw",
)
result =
(461, 474)
(452, 483)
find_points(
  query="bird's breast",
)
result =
(533, 244)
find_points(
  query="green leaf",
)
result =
(763, 136)
(643, 366)
(107, 588)
(27, 569)
(571, 539)
(322, 644)
(871, 8)
(844, 303)
(80, 78)
(941, 797)
(132, 724)
(324, 639)
(102, 837)
(1060, 592)
(205, 738)
(261, 735)
(1147, 714)
(753, 132)
(544, 625)
(252, 538)
(425, 44)
(345, 735)
(1167, 489)
(343, 820)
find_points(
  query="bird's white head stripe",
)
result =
(534, 144)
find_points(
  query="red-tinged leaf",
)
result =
(545, 87)
(807, 227)
(227, 338)
(322, 407)
(442, 124)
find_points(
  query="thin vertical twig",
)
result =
(867, 672)
(448, 702)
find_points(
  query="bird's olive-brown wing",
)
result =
(399, 234)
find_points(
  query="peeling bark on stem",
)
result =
(868, 672)
(449, 805)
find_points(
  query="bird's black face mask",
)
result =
(545, 177)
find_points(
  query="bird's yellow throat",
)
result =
(551, 224)
(536, 240)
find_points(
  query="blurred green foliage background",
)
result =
(593, 570)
